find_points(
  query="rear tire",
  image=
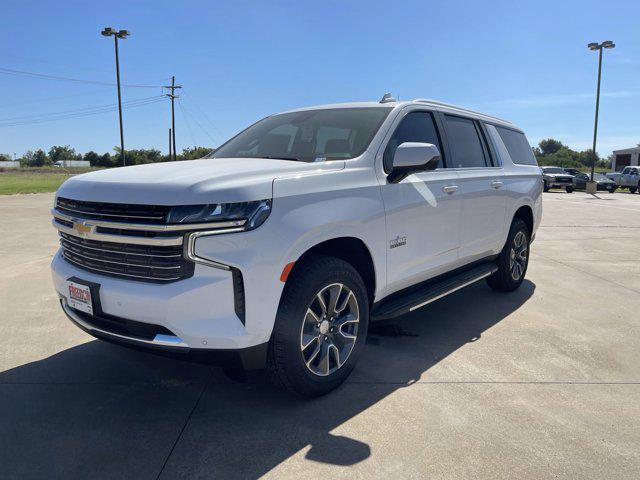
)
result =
(569, 189)
(513, 259)
(320, 327)
(632, 189)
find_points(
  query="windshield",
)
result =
(308, 136)
(553, 170)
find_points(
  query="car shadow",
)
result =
(102, 411)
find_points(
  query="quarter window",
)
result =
(467, 149)
(414, 127)
(517, 146)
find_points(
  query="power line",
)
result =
(77, 113)
(206, 117)
(60, 97)
(43, 76)
(80, 110)
(184, 117)
(199, 124)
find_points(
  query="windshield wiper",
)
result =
(282, 158)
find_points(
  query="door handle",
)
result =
(450, 189)
(496, 184)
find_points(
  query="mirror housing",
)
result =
(413, 157)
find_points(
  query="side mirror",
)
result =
(413, 157)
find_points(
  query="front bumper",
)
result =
(556, 184)
(199, 310)
(250, 358)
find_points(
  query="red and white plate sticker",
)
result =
(79, 297)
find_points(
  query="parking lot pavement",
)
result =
(540, 383)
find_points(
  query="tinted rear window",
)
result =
(465, 142)
(517, 146)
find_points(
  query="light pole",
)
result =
(107, 32)
(599, 47)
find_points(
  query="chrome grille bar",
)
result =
(70, 239)
(108, 272)
(172, 267)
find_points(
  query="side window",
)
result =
(465, 142)
(626, 170)
(517, 146)
(414, 127)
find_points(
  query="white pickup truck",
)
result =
(279, 250)
(628, 178)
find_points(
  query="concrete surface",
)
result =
(541, 383)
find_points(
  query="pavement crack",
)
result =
(186, 422)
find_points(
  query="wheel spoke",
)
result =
(334, 295)
(323, 361)
(307, 340)
(315, 353)
(323, 305)
(344, 304)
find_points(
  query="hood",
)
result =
(215, 180)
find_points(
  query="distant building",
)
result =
(71, 163)
(9, 164)
(624, 158)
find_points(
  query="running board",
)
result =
(430, 292)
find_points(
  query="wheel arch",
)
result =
(525, 213)
(350, 249)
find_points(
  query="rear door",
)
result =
(422, 211)
(482, 190)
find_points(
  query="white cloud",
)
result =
(544, 101)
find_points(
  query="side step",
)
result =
(429, 292)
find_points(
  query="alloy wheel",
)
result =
(329, 329)
(518, 255)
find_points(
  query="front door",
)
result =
(422, 211)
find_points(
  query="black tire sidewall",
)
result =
(502, 279)
(302, 286)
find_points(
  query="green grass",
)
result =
(30, 182)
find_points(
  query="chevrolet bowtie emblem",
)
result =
(82, 227)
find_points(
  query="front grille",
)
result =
(114, 212)
(134, 262)
(565, 180)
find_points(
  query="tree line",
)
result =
(42, 158)
(553, 152)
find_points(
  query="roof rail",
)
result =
(444, 104)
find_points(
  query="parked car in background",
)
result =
(572, 171)
(628, 178)
(602, 182)
(556, 177)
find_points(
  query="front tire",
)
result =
(545, 186)
(632, 189)
(569, 189)
(513, 260)
(320, 327)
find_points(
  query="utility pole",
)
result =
(173, 96)
(170, 145)
(107, 32)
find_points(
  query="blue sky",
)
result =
(241, 60)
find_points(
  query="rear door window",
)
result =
(517, 146)
(466, 143)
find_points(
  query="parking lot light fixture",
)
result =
(122, 34)
(599, 47)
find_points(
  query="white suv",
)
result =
(281, 248)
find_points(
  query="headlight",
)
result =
(255, 213)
